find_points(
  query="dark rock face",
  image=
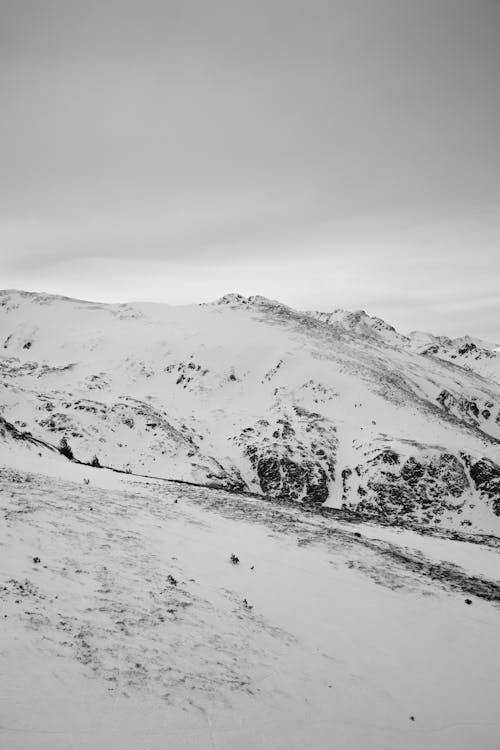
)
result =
(387, 456)
(282, 477)
(472, 411)
(465, 408)
(9, 431)
(486, 477)
(412, 471)
(466, 348)
(422, 487)
(346, 473)
(292, 455)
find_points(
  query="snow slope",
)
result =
(125, 625)
(334, 409)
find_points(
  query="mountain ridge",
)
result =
(324, 408)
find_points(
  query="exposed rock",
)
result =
(460, 406)
(422, 487)
(471, 410)
(486, 477)
(293, 457)
(279, 476)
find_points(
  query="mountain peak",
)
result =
(233, 299)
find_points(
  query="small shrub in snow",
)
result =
(235, 560)
(95, 463)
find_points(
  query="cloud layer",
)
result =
(338, 153)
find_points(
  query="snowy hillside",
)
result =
(295, 543)
(335, 409)
(126, 625)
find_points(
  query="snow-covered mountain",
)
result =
(471, 353)
(138, 612)
(335, 409)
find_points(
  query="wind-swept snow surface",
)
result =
(125, 624)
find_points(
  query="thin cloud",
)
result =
(326, 153)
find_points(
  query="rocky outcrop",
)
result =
(485, 475)
(361, 324)
(482, 413)
(292, 454)
(9, 432)
(280, 476)
(421, 486)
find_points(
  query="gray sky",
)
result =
(343, 153)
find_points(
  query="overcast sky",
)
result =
(343, 153)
